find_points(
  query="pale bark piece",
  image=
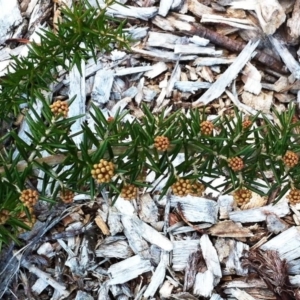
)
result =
(133, 70)
(164, 7)
(294, 22)
(151, 235)
(211, 258)
(234, 22)
(199, 9)
(204, 284)
(190, 86)
(270, 15)
(241, 295)
(128, 269)
(275, 224)
(136, 242)
(199, 40)
(252, 79)
(261, 102)
(44, 276)
(156, 280)
(181, 253)
(148, 210)
(39, 286)
(161, 55)
(118, 10)
(212, 61)
(217, 89)
(102, 225)
(114, 221)
(260, 214)
(102, 86)
(225, 203)
(157, 69)
(233, 264)
(77, 91)
(81, 295)
(10, 16)
(116, 249)
(197, 209)
(216, 297)
(290, 62)
(164, 40)
(194, 49)
(166, 290)
(175, 76)
(230, 229)
(287, 244)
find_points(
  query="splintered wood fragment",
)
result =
(181, 252)
(10, 17)
(199, 9)
(102, 225)
(161, 55)
(229, 229)
(225, 203)
(270, 15)
(294, 22)
(183, 296)
(260, 214)
(102, 86)
(230, 253)
(156, 280)
(117, 248)
(148, 210)
(211, 258)
(216, 297)
(287, 57)
(241, 295)
(218, 87)
(133, 70)
(164, 40)
(228, 43)
(81, 295)
(204, 284)
(164, 7)
(194, 49)
(261, 102)
(128, 269)
(118, 10)
(275, 224)
(199, 41)
(157, 69)
(197, 209)
(175, 76)
(252, 79)
(212, 61)
(44, 276)
(234, 22)
(151, 235)
(191, 86)
(135, 240)
(287, 244)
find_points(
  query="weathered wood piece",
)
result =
(260, 214)
(196, 209)
(128, 269)
(10, 16)
(234, 22)
(102, 86)
(287, 57)
(226, 78)
(287, 244)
